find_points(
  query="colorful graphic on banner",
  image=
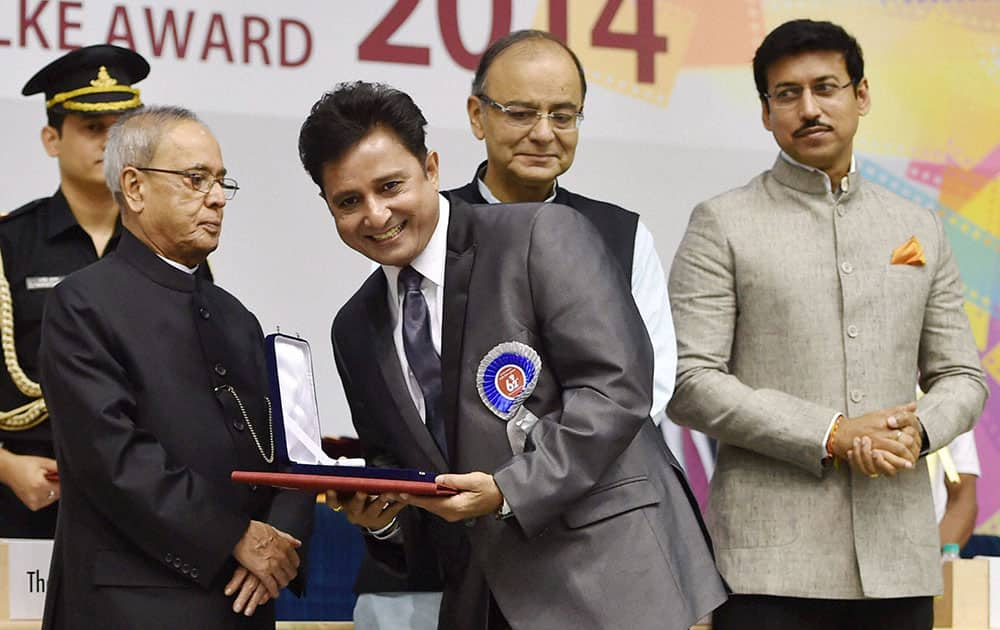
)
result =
(935, 106)
(938, 106)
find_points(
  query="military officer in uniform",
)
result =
(42, 242)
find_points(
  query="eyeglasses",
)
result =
(526, 117)
(789, 95)
(200, 180)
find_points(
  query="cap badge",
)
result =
(104, 80)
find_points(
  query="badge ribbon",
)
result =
(506, 377)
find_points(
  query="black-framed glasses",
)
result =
(790, 95)
(199, 180)
(526, 117)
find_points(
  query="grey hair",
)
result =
(134, 138)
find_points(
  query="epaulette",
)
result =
(27, 208)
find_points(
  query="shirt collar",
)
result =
(844, 182)
(139, 255)
(177, 265)
(491, 198)
(59, 215)
(430, 262)
(61, 219)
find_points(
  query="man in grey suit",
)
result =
(571, 515)
(526, 105)
(807, 305)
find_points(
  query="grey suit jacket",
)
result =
(604, 533)
(787, 312)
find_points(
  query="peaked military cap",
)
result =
(91, 80)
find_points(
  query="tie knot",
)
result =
(410, 278)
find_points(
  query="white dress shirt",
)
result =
(382, 611)
(966, 458)
(430, 264)
(649, 291)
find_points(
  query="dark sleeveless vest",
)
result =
(616, 225)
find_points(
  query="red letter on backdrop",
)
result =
(558, 20)
(249, 39)
(157, 43)
(286, 61)
(65, 24)
(32, 23)
(222, 42)
(448, 21)
(644, 41)
(113, 35)
(376, 46)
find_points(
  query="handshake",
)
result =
(881, 442)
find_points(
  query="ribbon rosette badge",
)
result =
(506, 377)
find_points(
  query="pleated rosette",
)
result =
(507, 376)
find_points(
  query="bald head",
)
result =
(516, 39)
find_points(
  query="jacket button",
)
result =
(169, 558)
(177, 563)
(846, 267)
(194, 574)
(204, 313)
(852, 331)
(238, 425)
(857, 395)
(186, 568)
(220, 369)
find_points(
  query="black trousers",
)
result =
(764, 612)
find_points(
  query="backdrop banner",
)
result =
(672, 118)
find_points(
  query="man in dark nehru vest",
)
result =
(527, 106)
(86, 90)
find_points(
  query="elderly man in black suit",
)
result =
(160, 380)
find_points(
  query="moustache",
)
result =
(811, 126)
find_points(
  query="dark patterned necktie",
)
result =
(420, 354)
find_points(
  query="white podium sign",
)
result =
(994, 592)
(26, 576)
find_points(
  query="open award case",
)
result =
(298, 440)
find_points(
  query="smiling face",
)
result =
(79, 147)
(817, 132)
(166, 212)
(383, 199)
(524, 162)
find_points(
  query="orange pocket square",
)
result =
(909, 253)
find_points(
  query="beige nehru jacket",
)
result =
(787, 311)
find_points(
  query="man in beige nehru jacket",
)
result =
(807, 305)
